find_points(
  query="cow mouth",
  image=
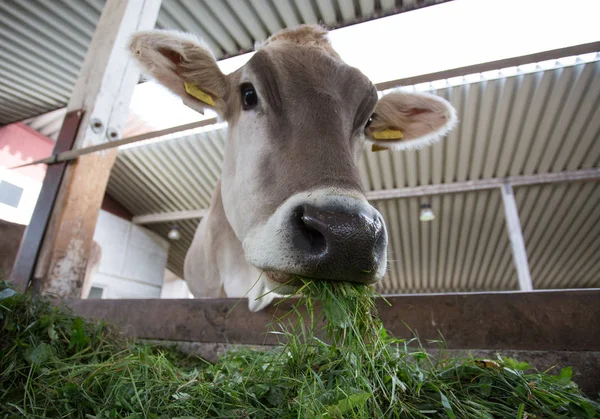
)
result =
(289, 281)
(285, 278)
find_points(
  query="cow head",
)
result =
(298, 119)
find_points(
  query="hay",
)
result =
(54, 364)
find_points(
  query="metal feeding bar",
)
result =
(73, 154)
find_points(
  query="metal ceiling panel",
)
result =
(561, 227)
(44, 43)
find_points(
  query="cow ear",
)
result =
(183, 64)
(405, 120)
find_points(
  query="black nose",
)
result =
(337, 244)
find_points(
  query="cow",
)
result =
(289, 203)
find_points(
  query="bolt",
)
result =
(112, 134)
(96, 125)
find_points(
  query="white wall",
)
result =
(133, 259)
(31, 189)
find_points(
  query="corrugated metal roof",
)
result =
(561, 227)
(524, 121)
(44, 42)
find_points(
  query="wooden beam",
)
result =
(456, 187)
(103, 91)
(169, 216)
(492, 65)
(517, 243)
(539, 320)
(31, 242)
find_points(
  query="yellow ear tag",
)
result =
(388, 134)
(376, 147)
(195, 91)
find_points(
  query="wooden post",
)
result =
(102, 92)
(31, 242)
(515, 233)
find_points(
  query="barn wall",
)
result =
(133, 259)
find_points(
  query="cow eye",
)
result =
(249, 96)
(369, 121)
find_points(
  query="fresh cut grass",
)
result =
(54, 364)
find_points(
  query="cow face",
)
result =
(298, 120)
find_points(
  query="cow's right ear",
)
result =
(183, 64)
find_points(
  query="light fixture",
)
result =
(174, 233)
(426, 213)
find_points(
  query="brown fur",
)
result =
(308, 36)
(335, 98)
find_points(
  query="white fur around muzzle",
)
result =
(268, 246)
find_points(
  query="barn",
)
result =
(496, 225)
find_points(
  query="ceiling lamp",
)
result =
(174, 233)
(426, 213)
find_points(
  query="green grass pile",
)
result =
(54, 364)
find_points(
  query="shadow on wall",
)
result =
(10, 240)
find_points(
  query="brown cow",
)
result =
(290, 201)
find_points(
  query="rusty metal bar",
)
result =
(540, 320)
(34, 233)
(73, 154)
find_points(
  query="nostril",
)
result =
(316, 239)
(306, 233)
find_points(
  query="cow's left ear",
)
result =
(405, 120)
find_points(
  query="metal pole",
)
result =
(515, 234)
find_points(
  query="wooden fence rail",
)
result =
(541, 320)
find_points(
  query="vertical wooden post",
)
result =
(515, 233)
(31, 242)
(102, 92)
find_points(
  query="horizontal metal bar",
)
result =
(73, 154)
(492, 65)
(169, 216)
(482, 184)
(540, 320)
(456, 187)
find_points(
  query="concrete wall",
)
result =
(133, 259)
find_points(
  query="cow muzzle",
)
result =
(322, 236)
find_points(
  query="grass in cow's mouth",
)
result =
(54, 364)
